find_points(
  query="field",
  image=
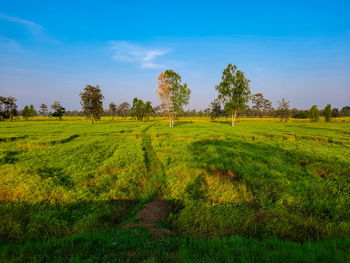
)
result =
(263, 191)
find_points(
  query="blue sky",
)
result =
(49, 50)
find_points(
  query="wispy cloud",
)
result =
(133, 53)
(35, 29)
(9, 43)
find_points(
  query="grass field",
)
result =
(263, 191)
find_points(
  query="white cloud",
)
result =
(133, 53)
(35, 29)
(9, 43)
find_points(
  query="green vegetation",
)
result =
(328, 113)
(233, 91)
(314, 113)
(263, 191)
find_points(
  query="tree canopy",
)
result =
(261, 105)
(283, 110)
(233, 91)
(140, 110)
(112, 109)
(314, 113)
(8, 107)
(172, 94)
(328, 112)
(91, 99)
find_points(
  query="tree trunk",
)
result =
(92, 120)
(234, 113)
(170, 121)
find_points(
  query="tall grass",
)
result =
(259, 180)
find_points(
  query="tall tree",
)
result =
(8, 107)
(55, 105)
(124, 109)
(258, 101)
(148, 109)
(345, 111)
(172, 94)
(32, 111)
(283, 110)
(328, 113)
(112, 109)
(234, 91)
(137, 109)
(267, 106)
(91, 100)
(58, 113)
(215, 109)
(335, 112)
(25, 112)
(314, 113)
(43, 110)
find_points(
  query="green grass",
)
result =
(261, 191)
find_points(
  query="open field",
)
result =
(261, 191)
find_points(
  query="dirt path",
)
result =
(152, 216)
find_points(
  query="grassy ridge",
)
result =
(259, 180)
(253, 181)
(138, 245)
(184, 119)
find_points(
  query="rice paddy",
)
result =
(262, 191)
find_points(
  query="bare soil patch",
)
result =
(156, 211)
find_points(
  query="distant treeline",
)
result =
(232, 100)
(10, 110)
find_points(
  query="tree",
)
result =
(345, 111)
(157, 111)
(91, 100)
(25, 112)
(124, 109)
(8, 107)
(112, 109)
(32, 111)
(234, 91)
(301, 115)
(58, 113)
(43, 110)
(55, 105)
(335, 112)
(267, 106)
(328, 113)
(172, 94)
(137, 109)
(140, 110)
(215, 109)
(283, 109)
(314, 113)
(28, 112)
(148, 109)
(258, 99)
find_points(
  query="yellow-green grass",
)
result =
(165, 119)
(259, 180)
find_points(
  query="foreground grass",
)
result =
(138, 245)
(259, 191)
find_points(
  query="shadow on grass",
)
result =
(228, 123)
(182, 123)
(289, 192)
(10, 157)
(39, 219)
